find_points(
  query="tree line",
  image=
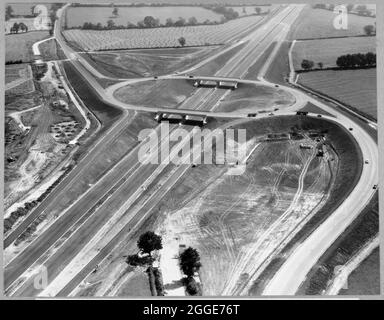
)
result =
(147, 22)
(348, 61)
(357, 60)
(19, 27)
(360, 10)
(151, 22)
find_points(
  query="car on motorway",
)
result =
(276, 85)
(366, 161)
(252, 115)
(319, 115)
(375, 187)
(350, 129)
(190, 76)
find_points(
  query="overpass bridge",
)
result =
(211, 81)
(182, 117)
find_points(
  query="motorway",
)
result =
(62, 241)
(87, 231)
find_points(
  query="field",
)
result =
(144, 63)
(318, 23)
(356, 88)
(91, 40)
(368, 272)
(76, 16)
(19, 46)
(24, 8)
(251, 98)
(166, 93)
(328, 50)
(16, 72)
(18, 79)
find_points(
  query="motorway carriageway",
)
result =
(61, 256)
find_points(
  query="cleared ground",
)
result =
(356, 88)
(318, 23)
(226, 217)
(327, 51)
(19, 46)
(251, 98)
(160, 93)
(33, 148)
(143, 63)
(76, 16)
(91, 40)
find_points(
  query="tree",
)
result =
(320, 65)
(33, 13)
(23, 27)
(182, 41)
(149, 241)
(151, 22)
(8, 13)
(130, 25)
(180, 22)
(371, 58)
(53, 18)
(361, 9)
(115, 11)
(110, 24)
(192, 21)
(169, 22)
(307, 64)
(257, 10)
(350, 7)
(15, 28)
(190, 262)
(369, 29)
(320, 6)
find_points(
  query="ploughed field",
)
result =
(92, 40)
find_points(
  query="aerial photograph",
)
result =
(190, 148)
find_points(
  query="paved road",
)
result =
(294, 271)
(70, 236)
(39, 249)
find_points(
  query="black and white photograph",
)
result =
(190, 149)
